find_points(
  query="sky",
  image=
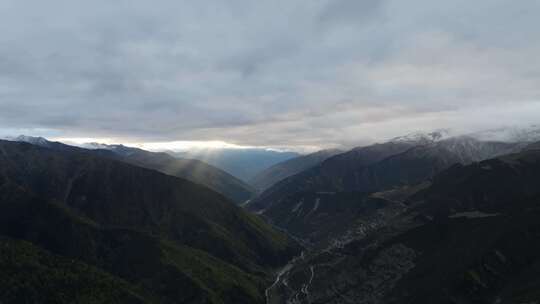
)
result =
(279, 73)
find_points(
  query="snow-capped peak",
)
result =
(421, 138)
(40, 141)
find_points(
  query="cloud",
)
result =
(342, 12)
(270, 73)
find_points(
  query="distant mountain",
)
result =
(40, 141)
(147, 236)
(193, 170)
(534, 146)
(242, 163)
(422, 138)
(274, 174)
(470, 237)
(383, 166)
(190, 169)
(423, 162)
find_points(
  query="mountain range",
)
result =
(421, 218)
(382, 166)
(190, 169)
(125, 233)
(468, 235)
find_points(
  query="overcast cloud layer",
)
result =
(271, 73)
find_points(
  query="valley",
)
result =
(270, 152)
(405, 221)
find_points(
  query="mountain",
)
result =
(190, 169)
(280, 171)
(383, 166)
(422, 138)
(170, 240)
(327, 176)
(471, 236)
(346, 202)
(39, 141)
(423, 162)
(193, 170)
(534, 146)
(242, 163)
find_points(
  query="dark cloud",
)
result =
(273, 73)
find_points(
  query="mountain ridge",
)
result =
(282, 170)
(380, 166)
(193, 170)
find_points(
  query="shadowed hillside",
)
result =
(274, 174)
(181, 242)
(470, 237)
(190, 169)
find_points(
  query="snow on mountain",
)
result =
(39, 141)
(468, 148)
(422, 138)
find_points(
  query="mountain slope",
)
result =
(32, 275)
(425, 161)
(114, 215)
(192, 170)
(471, 237)
(326, 219)
(373, 193)
(165, 270)
(383, 166)
(274, 174)
(329, 175)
